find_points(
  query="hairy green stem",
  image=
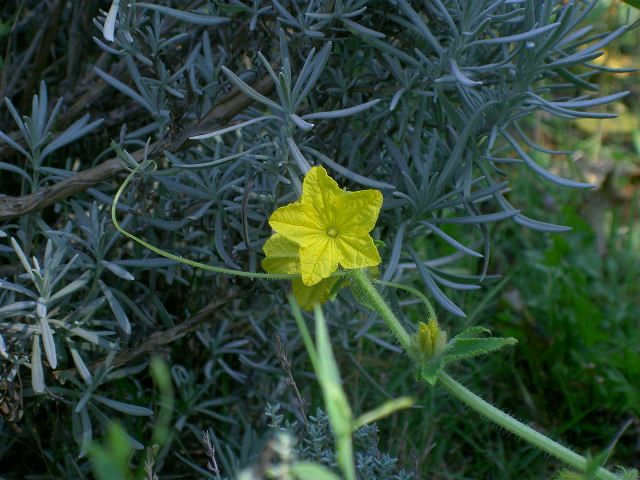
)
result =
(364, 288)
(519, 429)
(360, 280)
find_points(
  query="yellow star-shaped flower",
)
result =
(329, 226)
(282, 256)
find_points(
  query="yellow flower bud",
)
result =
(430, 340)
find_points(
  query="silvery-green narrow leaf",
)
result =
(219, 242)
(345, 172)
(345, 112)
(195, 18)
(16, 307)
(539, 226)
(531, 163)
(588, 103)
(16, 117)
(117, 270)
(49, 343)
(126, 372)
(461, 77)
(452, 241)
(201, 211)
(440, 297)
(393, 51)
(80, 365)
(476, 219)
(86, 396)
(356, 27)
(74, 286)
(420, 25)
(5, 138)
(237, 126)
(36, 267)
(106, 48)
(13, 168)
(396, 98)
(87, 433)
(22, 257)
(47, 251)
(395, 252)
(318, 67)
(304, 72)
(116, 308)
(92, 338)
(2, 234)
(248, 91)
(519, 37)
(453, 285)
(300, 123)
(41, 308)
(74, 132)
(128, 91)
(65, 269)
(54, 115)
(124, 407)
(39, 114)
(37, 375)
(302, 162)
(124, 155)
(110, 22)
(3, 347)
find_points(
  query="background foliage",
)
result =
(451, 108)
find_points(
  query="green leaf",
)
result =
(633, 3)
(111, 462)
(461, 348)
(335, 400)
(472, 332)
(312, 471)
(386, 409)
(430, 370)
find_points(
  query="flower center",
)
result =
(332, 232)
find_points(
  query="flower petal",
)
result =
(282, 255)
(319, 191)
(296, 222)
(357, 212)
(357, 252)
(308, 296)
(318, 260)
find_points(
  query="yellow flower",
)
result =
(282, 256)
(329, 226)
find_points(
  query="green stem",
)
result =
(363, 287)
(362, 283)
(519, 429)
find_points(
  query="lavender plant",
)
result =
(211, 118)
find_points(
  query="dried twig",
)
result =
(285, 364)
(210, 452)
